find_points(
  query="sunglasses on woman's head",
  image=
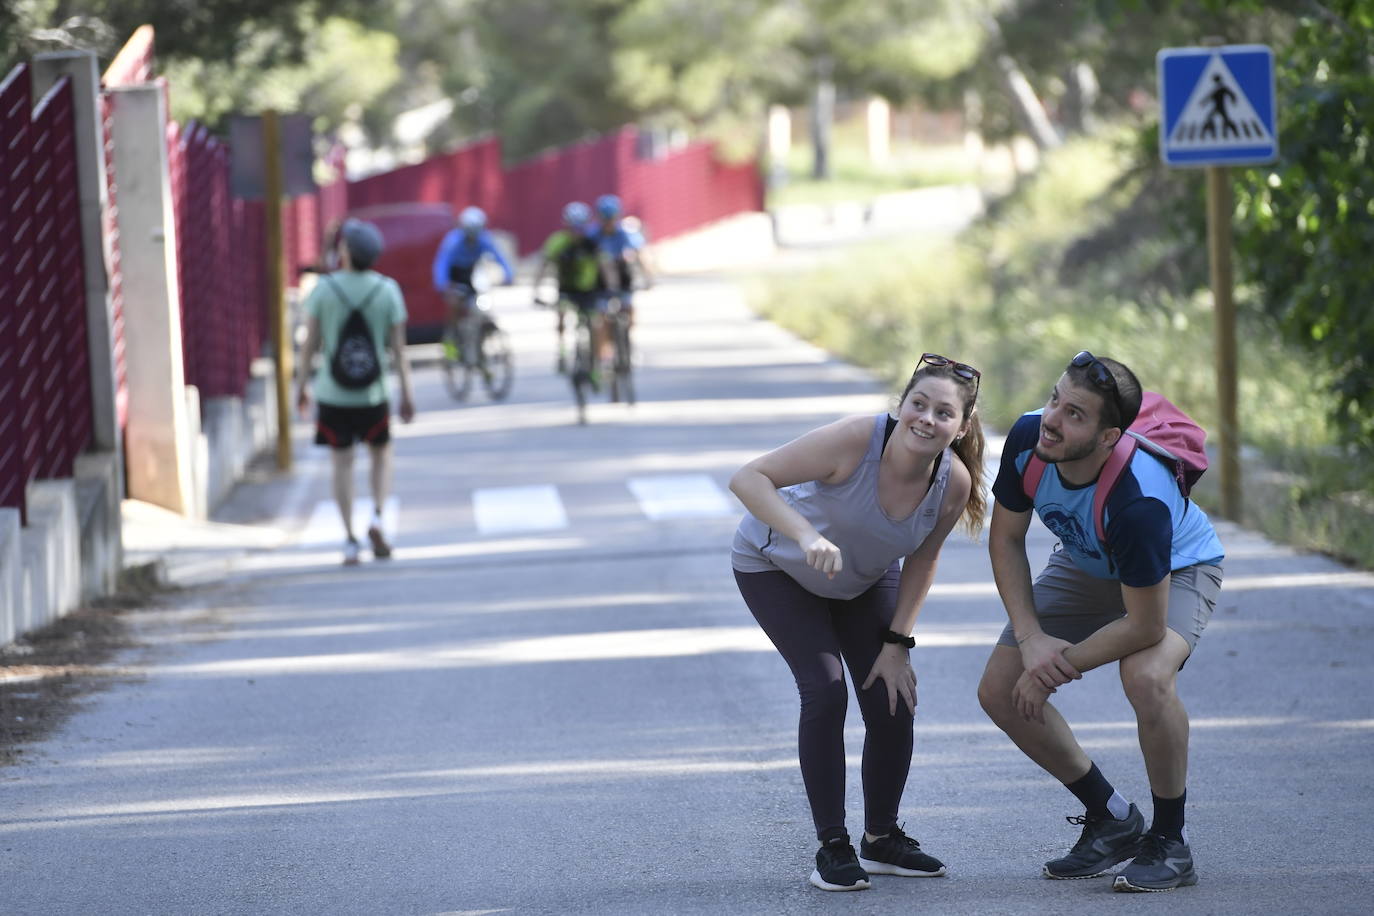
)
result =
(963, 370)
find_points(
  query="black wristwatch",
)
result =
(893, 636)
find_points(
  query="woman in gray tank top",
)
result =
(830, 517)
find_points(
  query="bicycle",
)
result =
(581, 372)
(474, 346)
(622, 367)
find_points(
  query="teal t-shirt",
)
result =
(383, 311)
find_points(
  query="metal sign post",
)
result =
(1220, 209)
(276, 293)
(1218, 110)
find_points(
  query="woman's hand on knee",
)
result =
(893, 666)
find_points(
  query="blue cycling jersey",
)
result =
(615, 242)
(1151, 527)
(462, 251)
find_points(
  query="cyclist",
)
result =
(573, 254)
(459, 253)
(621, 254)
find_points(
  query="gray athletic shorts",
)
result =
(1073, 605)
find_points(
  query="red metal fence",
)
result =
(14, 226)
(671, 194)
(45, 393)
(537, 189)
(64, 393)
(468, 176)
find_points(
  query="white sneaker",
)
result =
(350, 552)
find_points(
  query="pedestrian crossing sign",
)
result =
(1217, 106)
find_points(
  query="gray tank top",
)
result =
(849, 516)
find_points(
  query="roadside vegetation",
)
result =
(854, 178)
(1046, 273)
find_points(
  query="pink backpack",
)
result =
(1162, 430)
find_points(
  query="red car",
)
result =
(412, 233)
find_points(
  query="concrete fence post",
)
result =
(159, 447)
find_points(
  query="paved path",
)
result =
(540, 710)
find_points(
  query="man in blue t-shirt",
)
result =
(1140, 598)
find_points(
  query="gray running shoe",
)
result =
(837, 868)
(898, 854)
(1105, 841)
(1162, 864)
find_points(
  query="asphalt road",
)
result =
(553, 700)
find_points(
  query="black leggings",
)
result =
(813, 633)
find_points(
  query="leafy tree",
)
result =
(225, 55)
(213, 30)
(1305, 225)
(547, 71)
(343, 69)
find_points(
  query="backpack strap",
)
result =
(1030, 476)
(338, 291)
(1106, 480)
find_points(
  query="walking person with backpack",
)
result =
(1133, 580)
(354, 315)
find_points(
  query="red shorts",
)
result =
(340, 427)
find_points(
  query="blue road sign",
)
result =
(1217, 106)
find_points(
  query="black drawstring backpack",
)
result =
(355, 363)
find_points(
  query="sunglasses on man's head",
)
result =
(1100, 376)
(963, 370)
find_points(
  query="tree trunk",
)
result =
(1023, 97)
(822, 118)
(1080, 98)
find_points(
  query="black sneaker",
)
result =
(898, 854)
(1105, 841)
(381, 550)
(1162, 864)
(837, 868)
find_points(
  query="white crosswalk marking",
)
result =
(505, 509)
(325, 526)
(680, 496)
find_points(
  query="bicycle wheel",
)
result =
(457, 376)
(580, 376)
(622, 381)
(497, 370)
